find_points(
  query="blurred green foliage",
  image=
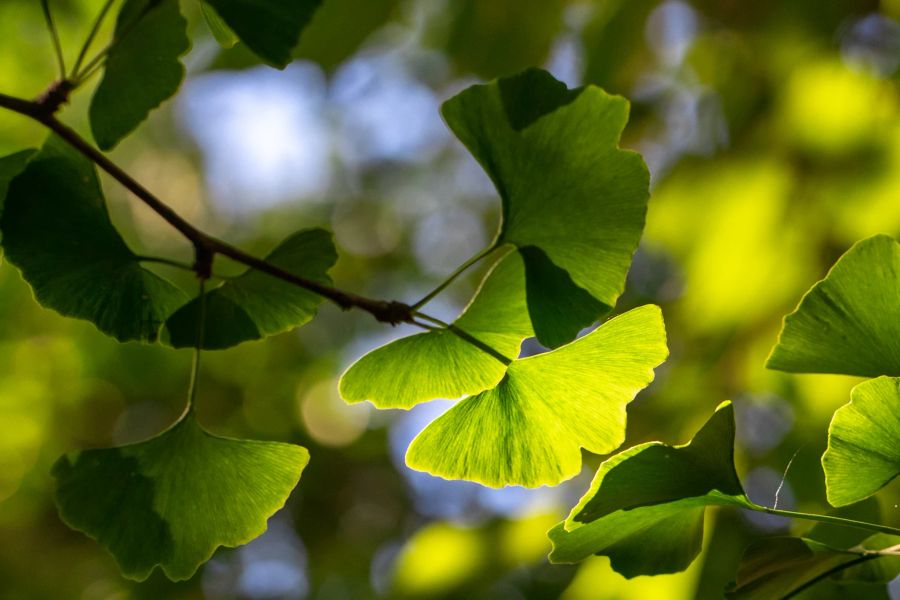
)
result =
(772, 131)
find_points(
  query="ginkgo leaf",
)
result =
(57, 232)
(850, 321)
(142, 68)
(222, 32)
(172, 500)
(783, 566)
(10, 167)
(270, 28)
(863, 454)
(573, 202)
(529, 430)
(645, 507)
(255, 305)
(440, 364)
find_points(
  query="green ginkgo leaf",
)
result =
(222, 32)
(57, 232)
(863, 452)
(780, 567)
(850, 321)
(255, 305)
(440, 364)
(529, 430)
(270, 28)
(142, 68)
(172, 500)
(10, 167)
(573, 203)
(645, 507)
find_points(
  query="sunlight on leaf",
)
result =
(142, 68)
(645, 506)
(222, 32)
(573, 202)
(863, 454)
(529, 430)
(173, 499)
(849, 322)
(256, 305)
(440, 364)
(56, 230)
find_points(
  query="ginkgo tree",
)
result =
(573, 207)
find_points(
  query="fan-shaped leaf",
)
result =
(573, 202)
(142, 68)
(57, 232)
(863, 452)
(270, 28)
(440, 364)
(850, 321)
(529, 430)
(173, 499)
(645, 506)
(256, 305)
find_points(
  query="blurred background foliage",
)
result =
(772, 130)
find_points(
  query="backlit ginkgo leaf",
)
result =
(529, 430)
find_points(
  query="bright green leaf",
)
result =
(850, 321)
(645, 507)
(270, 28)
(256, 305)
(57, 232)
(173, 499)
(573, 202)
(529, 430)
(222, 32)
(863, 454)
(440, 364)
(142, 68)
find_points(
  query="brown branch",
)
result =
(43, 110)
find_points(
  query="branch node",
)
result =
(203, 260)
(52, 99)
(393, 312)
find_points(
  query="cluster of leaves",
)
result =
(573, 207)
(559, 267)
(645, 507)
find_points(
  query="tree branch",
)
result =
(206, 247)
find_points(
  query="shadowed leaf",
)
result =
(256, 305)
(172, 500)
(270, 28)
(142, 69)
(645, 507)
(57, 232)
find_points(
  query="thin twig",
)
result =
(54, 35)
(207, 247)
(95, 28)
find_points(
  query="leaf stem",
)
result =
(459, 271)
(828, 519)
(95, 28)
(165, 261)
(54, 35)
(198, 346)
(822, 576)
(462, 334)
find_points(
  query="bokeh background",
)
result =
(772, 131)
